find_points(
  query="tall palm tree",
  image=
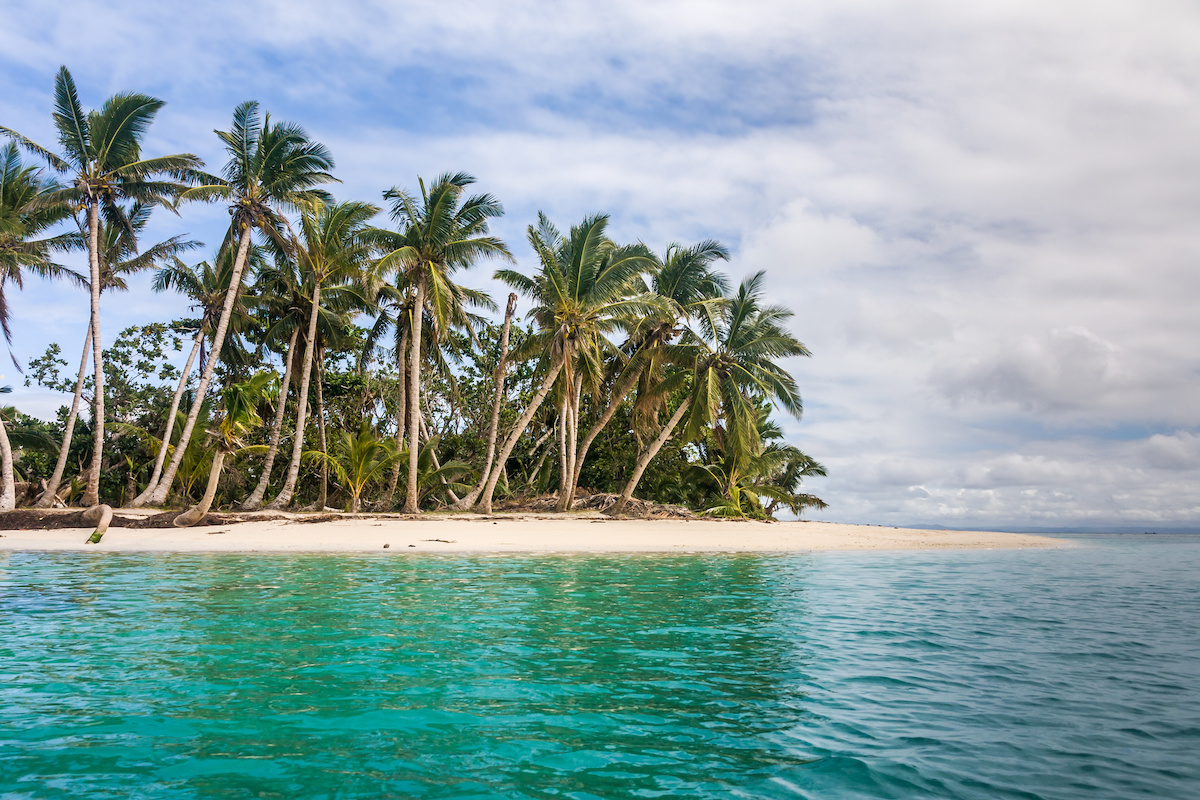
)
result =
(280, 300)
(119, 258)
(102, 152)
(333, 247)
(26, 217)
(583, 290)
(727, 364)
(439, 233)
(393, 311)
(687, 285)
(206, 286)
(271, 169)
(586, 288)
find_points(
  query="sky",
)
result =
(983, 214)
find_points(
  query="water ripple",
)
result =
(1050, 674)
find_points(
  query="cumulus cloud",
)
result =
(982, 213)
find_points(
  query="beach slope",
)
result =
(517, 533)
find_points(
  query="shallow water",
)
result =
(983, 674)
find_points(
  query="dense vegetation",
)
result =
(337, 357)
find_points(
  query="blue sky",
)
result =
(983, 214)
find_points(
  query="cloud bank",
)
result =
(983, 214)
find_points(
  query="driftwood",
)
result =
(35, 519)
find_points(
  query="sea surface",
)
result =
(1062, 673)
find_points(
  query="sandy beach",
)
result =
(517, 533)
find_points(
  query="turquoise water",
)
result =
(986, 674)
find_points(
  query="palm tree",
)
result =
(439, 234)
(279, 299)
(393, 310)
(207, 287)
(725, 373)
(333, 247)
(102, 151)
(584, 289)
(497, 399)
(119, 258)
(359, 459)
(271, 169)
(24, 217)
(687, 285)
(239, 416)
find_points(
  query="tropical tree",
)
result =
(25, 218)
(119, 258)
(361, 458)
(688, 288)
(102, 154)
(333, 246)
(271, 169)
(586, 288)
(724, 374)
(239, 416)
(439, 233)
(206, 286)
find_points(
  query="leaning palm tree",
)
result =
(206, 286)
(239, 416)
(439, 233)
(687, 285)
(724, 374)
(584, 289)
(102, 153)
(587, 288)
(333, 247)
(119, 258)
(271, 169)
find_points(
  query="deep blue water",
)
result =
(1067, 673)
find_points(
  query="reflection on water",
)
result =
(1025, 674)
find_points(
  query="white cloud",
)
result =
(982, 213)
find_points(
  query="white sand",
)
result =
(521, 533)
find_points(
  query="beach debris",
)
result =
(100, 516)
(386, 546)
(443, 541)
(412, 545)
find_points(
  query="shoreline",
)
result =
(514, 533)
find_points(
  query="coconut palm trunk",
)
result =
(284, 498)
(197, 512)
(485, 500)
(161, 458)
(622, 389)
(8, 486)
(60, 466)
(235, 281)
(91, 495)
(255, 500)
(323, 496)
(401, 419)
(567, 494)
(647, 455)
(497, 401)
(414, 400)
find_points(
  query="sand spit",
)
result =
(506, 533)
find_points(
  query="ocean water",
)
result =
(1067, 673)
